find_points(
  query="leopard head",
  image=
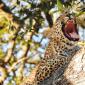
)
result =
(65, 29)
(70, 28)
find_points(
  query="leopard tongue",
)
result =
(74, 35)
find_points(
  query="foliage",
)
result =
(22, 43)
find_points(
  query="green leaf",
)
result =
(1, 54)
(80, 13)
(59, 5)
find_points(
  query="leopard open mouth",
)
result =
(70, 30)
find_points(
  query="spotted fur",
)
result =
(58, 53)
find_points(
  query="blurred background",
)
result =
(22, 23)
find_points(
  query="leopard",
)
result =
(62, 46)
